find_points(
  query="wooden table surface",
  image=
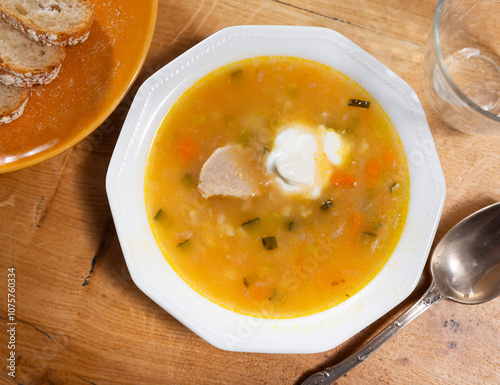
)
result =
(81, 319)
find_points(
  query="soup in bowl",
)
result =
(276, 189)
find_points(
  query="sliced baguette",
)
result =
(25, 63)
(12, 102)
(50, 22)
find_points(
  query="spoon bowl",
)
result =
(466, 263)
(465, 268)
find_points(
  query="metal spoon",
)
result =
(465, 267)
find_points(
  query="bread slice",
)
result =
(24, 62)
(12, 102)
(50, 22)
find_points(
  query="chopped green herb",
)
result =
(251, 222)
(237, 74)
(246, 282)
(269, 243)
(277, 296)
(245, 137)
(393, 187)
(369, 237)
(359, 103)
(159, 215)
(236, 77)
(326, 205)
(291, 225)
(188, 181)
(184, 243)
(253, 226)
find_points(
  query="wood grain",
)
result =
(81, 319)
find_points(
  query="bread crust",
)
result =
(21, 78)
(13, 110)
(25, 63)
(50, 36)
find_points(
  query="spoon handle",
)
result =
(329, 375)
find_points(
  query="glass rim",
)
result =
(444, 70)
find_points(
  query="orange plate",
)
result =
(94, 78)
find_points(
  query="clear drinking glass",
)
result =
(462, 65)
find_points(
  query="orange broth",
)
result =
(327, 249)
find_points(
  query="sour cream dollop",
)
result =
(303, 159)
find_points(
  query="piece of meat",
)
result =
(230, 171)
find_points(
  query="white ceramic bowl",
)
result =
(229, 330)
